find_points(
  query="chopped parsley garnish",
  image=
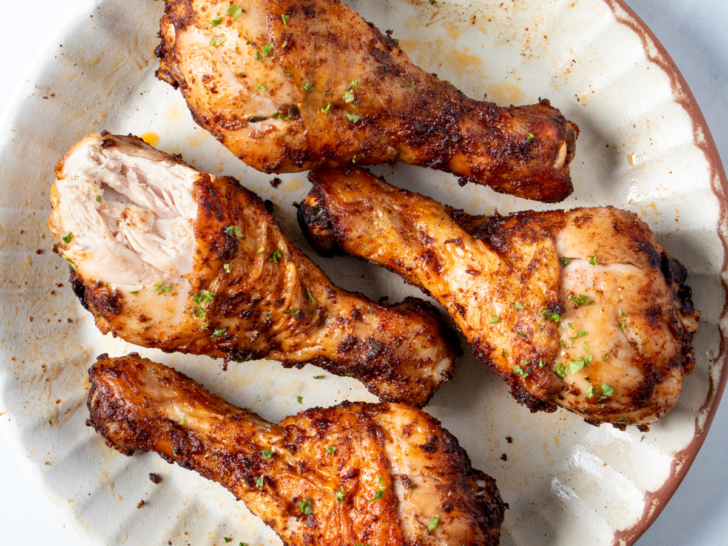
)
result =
(275, 256)
(261, 87)
(296, 312)
(299, 399)
(175, 452)
(530, 137)
(409, 83)
(226, 267)
(380, 492)
(590, 392)
(581, 301)
(353, 84)
(307, 87)
(235, 11)
(520, 371)
(331, 450)
(642, 439)
(621, 325)
(565, 261)
(234, 230)
(560, 370)
(353, 159)
(305, 507)
(226, 539)
(73, 265)
(289, 74)
(353, 117)
(549, 316)
(203, 296)
(434, 523)
(340, 495)
(579, 333)
(349, 96)
(218, 333)
(266, 453)
(495, 319)
(217, 41)
(285, 19)
(504, 354)
(134, 292)
(576, 365)
(607, 390)
(147, 326)
(260, 250)
(257, 56)
(160, 289)
(259, 482)
(68, 238)
(318, 376)
(267, 48)
(521, 334)
(98, 199)
(183, 420)
(517, 305)
(622, 420)
(593, 260)
(541, 363)
(217, 21)
(309, 295)
(350, 374)
(606, 356)
(326, 111)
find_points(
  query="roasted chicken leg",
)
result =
(167, 257)
(375, 474)
(580, 308)
(292, 85)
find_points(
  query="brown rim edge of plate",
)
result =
(657, 500)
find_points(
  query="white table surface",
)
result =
(693, 31)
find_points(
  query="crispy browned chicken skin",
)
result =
(375, 474)
(292, 85)
(578, 308)
(167, 257)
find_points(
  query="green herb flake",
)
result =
(267, 48)
(175, 452)
(517, 305)
(259, 482)
(495, 319)
(621, 420)
(621, 325)
(217, 41)
(299, 399)
(305, 507)
(200, 312)
(261, 87)
(579, 333)
(73, 265)
(606, 356)
(234, 231)
(307, 87)
(275, 256)
(203, 296)
(326, 111)
(285, 19)
(331, 450)
(183, 420)
(549, 316)
(266, 453)
(353, 117)
(504, 354)
(530, 137)
(217, 21)
(593, 260)
(409, 84)
(340, 495)
(434, 523)
(521, 334)
(218, 333)
(310, 296)
(621, 312)
(590, 392)
(353, 84)
(350, 374)
(226, 267)
(520, 371)
(380, 492)
(349, 97)
(642, 439)
(318, 376)
(257, 56)
(289, 74)
(581, 301)
(226, 539)
(134, 292)
(147, 326)
(98, 199)
(607, 390)
(68, 238)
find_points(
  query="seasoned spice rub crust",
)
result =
(290, 85)
(167, 257)
(580, 308)
(376, 474)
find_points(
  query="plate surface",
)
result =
(643, 147)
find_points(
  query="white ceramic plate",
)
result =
(644, 146)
